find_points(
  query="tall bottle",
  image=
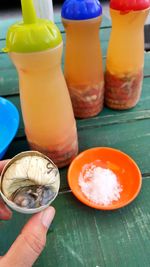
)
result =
(125, 55)
(83, 58)
(35, 47)
(44, 9)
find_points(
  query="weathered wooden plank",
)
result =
(8, 82)
(9, 78)
(131, 137)
(8, 74)
(5, 62)
(146, 64)
(107, 116)
(115, 238)
(81, 236)
(104, 37)
(15, 99)
(6, 23)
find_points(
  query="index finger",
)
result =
(5, 213)
(2, 164)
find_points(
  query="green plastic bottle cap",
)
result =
(33, 34)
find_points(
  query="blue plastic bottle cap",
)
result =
(81, 9)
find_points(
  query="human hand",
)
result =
(5, 213)
(32, 239)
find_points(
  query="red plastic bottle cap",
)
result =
(129, 5)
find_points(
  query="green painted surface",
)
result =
(84, 237)
(104, 36)
(8, 74)
(132, 137)
(107, 116)
(9, 77)
(81, 236)
(6, 23)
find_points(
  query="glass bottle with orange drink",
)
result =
(83, 58)
(35, 47)
(125, 55)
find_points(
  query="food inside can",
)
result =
(30, 181)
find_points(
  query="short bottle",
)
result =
(125, 55)
(35, 47)
(83, 58)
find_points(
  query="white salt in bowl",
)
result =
(113, 161)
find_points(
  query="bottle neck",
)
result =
(82, 24)
(132, 19)
(125, 52)
(38, 61)
(28, 11)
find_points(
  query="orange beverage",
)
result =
(46, 106)
(47, 112)
(125, 55)
(83, 59)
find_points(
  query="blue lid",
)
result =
(81, 9)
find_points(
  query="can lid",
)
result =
(81, 9)
(32, 34)
(128, 5)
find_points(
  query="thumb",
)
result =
(30, 243)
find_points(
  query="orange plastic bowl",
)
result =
(126, 170)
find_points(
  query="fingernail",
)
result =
(47, 216)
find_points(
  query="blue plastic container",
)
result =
(9, 123)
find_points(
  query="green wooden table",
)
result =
(81, 236)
